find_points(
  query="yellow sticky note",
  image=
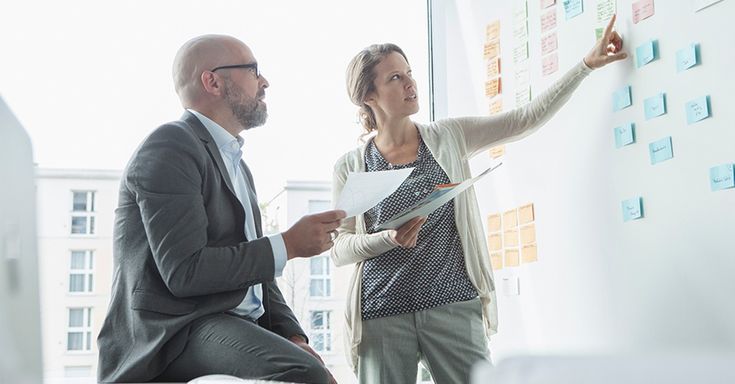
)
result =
(493, 87)
(493, 68)
(492, 31)
(512, 258)
(493, 222)
(529, 253)
(496, 260)
(496, 107)
(526, 214)
(528, 234)
(510, 219)
(498, 151)
(494, 242)
(510, 238)
(491, 49)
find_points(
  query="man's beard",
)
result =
(249, 113)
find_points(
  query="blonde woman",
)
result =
(425, 291)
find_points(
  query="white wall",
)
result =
(601, 284)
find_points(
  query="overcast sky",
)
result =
(90, 79)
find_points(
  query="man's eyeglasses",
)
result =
(253, 66)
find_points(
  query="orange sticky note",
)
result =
(528, 234)
(529, 253)
(525, 214)
(512, 259)
(493, 68)
(496, 106)
(510, 238)
(493, 87)
(492, 31)
(491, 49)
(494, 242)
(496, 260)
(498, 151)
(510, 219)
(493, 222)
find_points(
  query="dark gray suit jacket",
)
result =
(180, 253)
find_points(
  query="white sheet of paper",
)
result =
(428, 205)
(702, 4)
(364, 190)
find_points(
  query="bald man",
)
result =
(193, 291)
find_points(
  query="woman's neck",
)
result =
(398, 142)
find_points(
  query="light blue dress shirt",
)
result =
(230, 149)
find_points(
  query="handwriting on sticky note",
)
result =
(493, 222)
(624, 135)
(491, 49)
(496, 259)
(510, 219)
(655, 106)
(549, 64)
(632, 209)
(722, 177)
(526, 214)
(697, 109)
(549, 43)
(511, 258)
(492, 31)
(605, 10)
(493, 67)
(646, 53)
(642, 9)
(548, 21)
(660, 150)
(573, 8)
(529, 253)
(520, 52)
(493, 87)
(687, 57)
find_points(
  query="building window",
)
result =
(78, 371)
(79, 333)
(81, 272)
(83, 213)
(319, 206)
(320, 284)
(321, 331)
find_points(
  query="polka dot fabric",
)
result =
(429, 275)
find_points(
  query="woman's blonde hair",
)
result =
(361, 80)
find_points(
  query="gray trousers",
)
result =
(448, 340)
(230, 345)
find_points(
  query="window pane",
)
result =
(91, 225)
(328, 342)
(317, 340)
(76, 284)
(89, 317)
(90, 287)
(78, 224)
(91, 259)
(317, 265)
(74, 341)
(317, 320)
(88, 346)
(327, 287)
(76, 317)
(80, 202)
(77, 259)
(316, 288)
(91, 201)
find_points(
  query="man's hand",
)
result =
(312, 234)
(408, 234)
(607, 49)
(298, 340)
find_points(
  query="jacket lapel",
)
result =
(253, 199)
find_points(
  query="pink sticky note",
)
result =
(549, 43)
(642, 9)
(547, 3)
(549, 64)
(548, 21)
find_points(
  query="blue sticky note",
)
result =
(646, 53)
(655, 106)
(660, 150)
(697, 109)
(573, 8)
(687, 57)
(632, 209)
(722, 177)
(624, 135)
(621, 98)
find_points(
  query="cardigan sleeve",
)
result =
(482, 132)
(350, 246)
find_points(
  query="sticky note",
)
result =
(512, 258)
(722, 177)
(510, 238)
(598, 33)
(655, 106)
(573, 8)
(687, 57)
(549, 64)
(632, 209)
(549, 43)
(520, 52)
(526, 214)
(548, 21)
(697, 109)
(605, 10)
(510, 219)
(622, 98)
(493, 223)
(529, 253)
(491, 49)
(492, 31)
(496, 260)
(660, 150)
(493, 67)
(642, 9)
(646, 53)
(498, 151)
(528, 234)
(702, 4)
(494, 242)
(624, 135)
(523, 95)
(547, 3)
(496, 106)
(493, 87)
(520, 30)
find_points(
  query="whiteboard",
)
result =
(601, 284)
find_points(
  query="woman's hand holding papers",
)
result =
(407, 234)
